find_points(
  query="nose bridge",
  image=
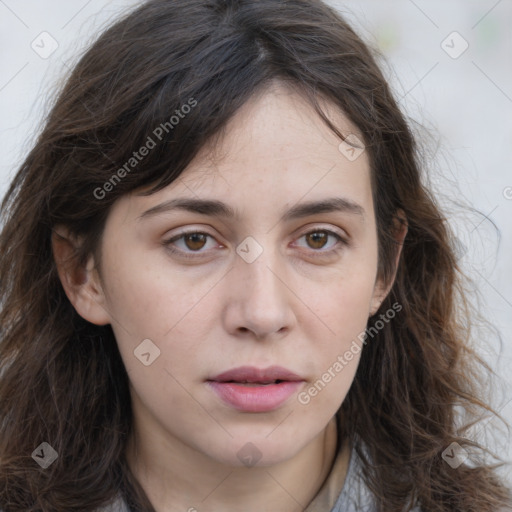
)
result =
(262, 280)
(260, 298)
(261, 275)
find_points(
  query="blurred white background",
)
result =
(458, 85)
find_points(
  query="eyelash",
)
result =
(197, 254)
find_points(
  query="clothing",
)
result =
(354, 495)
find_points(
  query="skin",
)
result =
(216, 312)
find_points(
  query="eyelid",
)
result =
(341, 233)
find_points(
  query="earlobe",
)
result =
(81, 283)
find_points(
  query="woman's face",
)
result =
(271, 279)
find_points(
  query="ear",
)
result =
(81, 284)
(381, 289)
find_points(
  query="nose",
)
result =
(259, 300)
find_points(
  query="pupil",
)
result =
(195, 241)
(319, 239)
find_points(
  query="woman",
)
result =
(224, 285)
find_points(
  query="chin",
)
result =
(256, 451)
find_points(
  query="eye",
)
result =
(190, 242)
(318, 239)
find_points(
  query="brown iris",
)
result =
(195, 241)
(318, 239)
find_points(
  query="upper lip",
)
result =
(252, 374)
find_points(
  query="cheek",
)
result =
(342, 303)
(146, 303)
(343, 306)
(147, 300)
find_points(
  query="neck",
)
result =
(181, 479)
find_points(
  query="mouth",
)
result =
(250, 389)
(252, 384)
(252, 375)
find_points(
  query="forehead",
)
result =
(279, 124)
(275, 150)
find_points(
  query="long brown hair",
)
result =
(62, 379)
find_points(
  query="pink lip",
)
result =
(259, 398)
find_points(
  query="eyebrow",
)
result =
(217, 208)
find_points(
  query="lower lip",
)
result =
(261, 398)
